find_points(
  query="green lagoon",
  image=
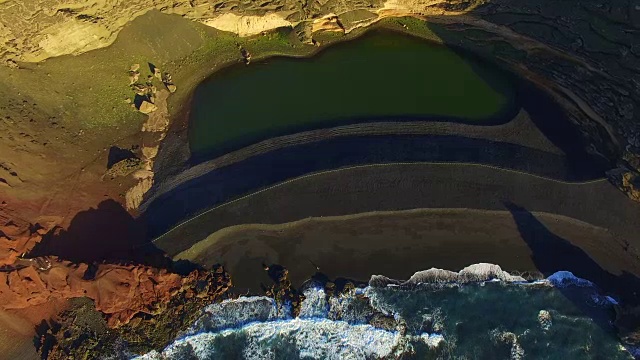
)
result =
(382, 75)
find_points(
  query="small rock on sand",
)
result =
(142, 174)
(12, 64)
(147, 107)
(150, 152)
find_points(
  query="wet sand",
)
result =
(396, 244)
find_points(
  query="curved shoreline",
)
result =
(219, 186)
(175, 157)
(510, 132)
(410, 79)
(411, 240)
(326, 172)
(176, 165)
(410, 186)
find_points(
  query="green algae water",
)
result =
(380, 76)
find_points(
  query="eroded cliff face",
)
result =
(82, 330)
(18, 237)
(118, 291)
(38, 29)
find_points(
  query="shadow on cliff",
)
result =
(552, 253)
(106, 233)
(545, 112)
(117, 154)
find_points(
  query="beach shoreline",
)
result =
(394, 244)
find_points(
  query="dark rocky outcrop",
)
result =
(83, 332)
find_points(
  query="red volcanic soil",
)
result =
(118, 291)
(64, 232)
(44, 262)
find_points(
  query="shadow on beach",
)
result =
(552, 253)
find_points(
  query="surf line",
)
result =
(324, 172)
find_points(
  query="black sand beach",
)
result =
(217, 187)
(411, 186)
(396, 244)
(521, 130)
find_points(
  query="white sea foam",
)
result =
(152, 355)
(545, 319)
(232, 313)
(313, 338)
(315, 304)
(335, 327)
(611, 300)
(478, 273)
(432, 340)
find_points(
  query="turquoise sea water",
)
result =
(500, 317)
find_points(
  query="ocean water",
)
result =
(481, 312)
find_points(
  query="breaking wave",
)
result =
(479, 312)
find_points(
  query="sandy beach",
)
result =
(395, 244)
(393, 187)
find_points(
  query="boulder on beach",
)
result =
(147, 107)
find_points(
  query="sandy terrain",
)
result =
(410, 186)
(395, 244)
(16, 337)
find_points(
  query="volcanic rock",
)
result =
(147, 107)
(18, 237)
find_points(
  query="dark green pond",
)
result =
(382, 75)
